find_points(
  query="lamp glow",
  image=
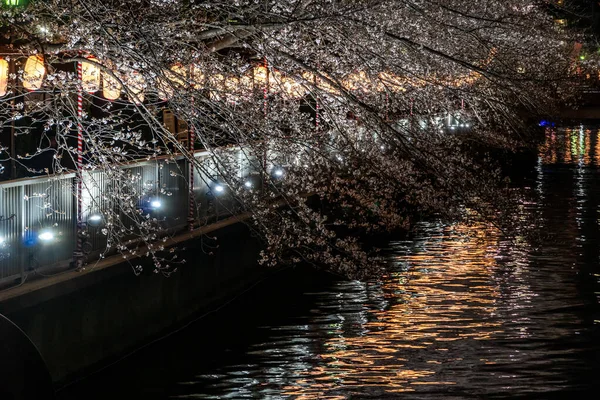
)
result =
(155, 204)
(111, 87)
(95, 218)
(219, 188)
(33, 73)
(46, 236)
(278, 172)
(3, 77)
(90, 78)
(248, 184)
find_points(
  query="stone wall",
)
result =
(94, 318)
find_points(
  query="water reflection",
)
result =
(580, 145)
(462, 312)
(439, 291)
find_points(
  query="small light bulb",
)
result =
(219, 189)
(278, 172)
(46, 236)
(155, 204)
(95, 218)
(248, 184)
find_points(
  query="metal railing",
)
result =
(32, 207)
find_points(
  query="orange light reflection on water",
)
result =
(448, 294)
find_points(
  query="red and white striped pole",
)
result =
(191, 141)
(265, 112)
(78, 255)
(316, 107)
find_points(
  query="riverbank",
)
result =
(80, 321)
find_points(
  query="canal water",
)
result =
(463, 312)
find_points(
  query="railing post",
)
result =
(22, 258)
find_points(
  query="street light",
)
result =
(46, 236)
(95, 219)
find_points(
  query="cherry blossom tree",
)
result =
(356, 116)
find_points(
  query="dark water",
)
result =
(463, 313)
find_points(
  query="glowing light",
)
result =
(155, 204)
(111, 87)
(278, 172)
(3, 77)
(90, 76)
(248, 184)
(95, 218)
(33, 74)
(219, 189)
(46, 236)
(136, 84)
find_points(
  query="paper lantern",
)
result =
(33, 74)
(90, 78)
(173, 78)
(111, 87)
(3, 77)
(135, 84)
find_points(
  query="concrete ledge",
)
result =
(80, 320)
(34, 292)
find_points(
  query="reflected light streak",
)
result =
(447, 295)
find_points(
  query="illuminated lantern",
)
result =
(90, 78)
(33, 74)
(216, 83)
(3, 77)
(111, 87)
(175, 77)
(196, 76)
(260, 74)
(135, 84)
(292, 88)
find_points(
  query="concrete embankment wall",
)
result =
(79, 321)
